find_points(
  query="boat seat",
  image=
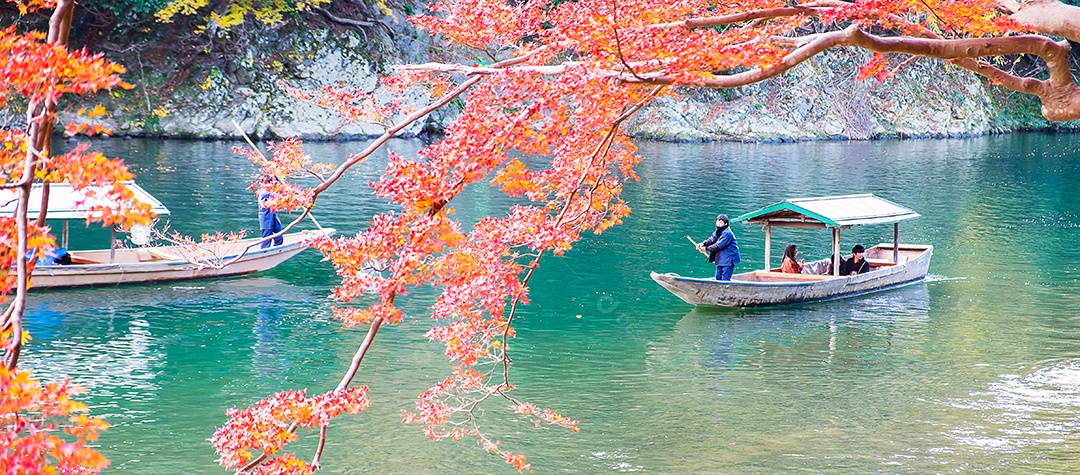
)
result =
(76, 259)
(885, 262)
(769, 276)
(880, 262)
(165, 255)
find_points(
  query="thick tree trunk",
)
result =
(1050, 17)
(41, 119)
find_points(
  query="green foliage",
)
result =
(132, 9)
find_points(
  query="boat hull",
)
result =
(141, 265)
(768, 288)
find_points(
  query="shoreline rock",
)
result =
(817, 100)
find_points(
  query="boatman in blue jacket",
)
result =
(722, 249)
(269, 223)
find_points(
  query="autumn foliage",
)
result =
(42, 428)
(540, 122)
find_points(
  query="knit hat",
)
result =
(723, 217)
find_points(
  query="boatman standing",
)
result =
(722, 249)
(268, 218)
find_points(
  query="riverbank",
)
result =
(246, 91)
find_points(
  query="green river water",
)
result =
(976, 370)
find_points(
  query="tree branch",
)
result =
(765, 14)
(40, 117)
(1050, 17)
(360, 24)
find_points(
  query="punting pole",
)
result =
(896, 243)
(768, 244)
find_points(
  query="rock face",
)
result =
(249, 91)
(820, 99)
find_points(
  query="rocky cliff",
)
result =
(820, 99)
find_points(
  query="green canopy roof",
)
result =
(830, 211)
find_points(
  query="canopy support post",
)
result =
(64, 236)
(836, 251)
(896, 243)
(112, 246)
(768, 245)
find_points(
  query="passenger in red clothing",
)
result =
(791, 265)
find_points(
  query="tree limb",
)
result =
(1050, 17)
(357, 23)
(764, 14)
(40, 117)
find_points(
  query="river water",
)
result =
(975, 370)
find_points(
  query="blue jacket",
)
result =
(723, 249)
(268, 219)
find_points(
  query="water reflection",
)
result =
(268, 356)
(103, 349)
(795, 337)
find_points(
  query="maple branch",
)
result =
(409, 119)
(615, 32)
(360, 352)
(550, 70)
(315, 463)
(266, 453)
(354, 367)
(1059, 94)
(904, 63)
(765, 14)
(935, 14)
(603, 147)
(377, 322)
(1008, 7)
(1051, 17)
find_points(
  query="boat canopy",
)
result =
(65, 203)
(830, 211)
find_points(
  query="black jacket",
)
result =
(847, 266)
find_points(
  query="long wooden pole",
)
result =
(695, 243)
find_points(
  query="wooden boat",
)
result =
(148, 263)
(892, 264)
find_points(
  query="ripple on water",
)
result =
(1023, 410)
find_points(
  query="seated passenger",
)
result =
(55, 257)
(855, 264)
(790, 264)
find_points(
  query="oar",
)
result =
(695, 243)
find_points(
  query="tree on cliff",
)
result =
(556, 81)
(42, 428)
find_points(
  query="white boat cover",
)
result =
(832, 211)
(66, 203)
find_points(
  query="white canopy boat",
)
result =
(891, 264)
(145, 263)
